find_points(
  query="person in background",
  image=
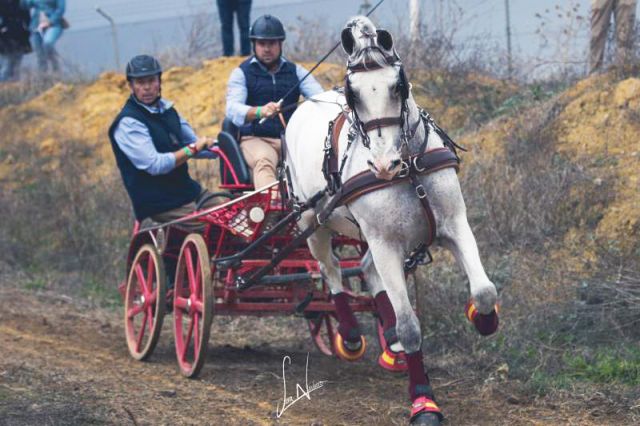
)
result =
(624, 14)
(14, 38)
(47, 24)
(254, 91)
(242, 9)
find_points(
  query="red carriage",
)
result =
(249, 259)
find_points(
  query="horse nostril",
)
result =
(370, 163)
(394, 164)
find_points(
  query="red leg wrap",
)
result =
(417, 377)
(485, 324)
(348, 327)
(385, 310)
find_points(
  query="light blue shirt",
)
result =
(134, 139)
(237, 91)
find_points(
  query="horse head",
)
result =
(377, 92)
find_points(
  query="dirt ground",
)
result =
(64, 361)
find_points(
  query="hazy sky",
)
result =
(483, 18)
(486, 14)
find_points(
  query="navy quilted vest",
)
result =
(151, 194)
(264, 87)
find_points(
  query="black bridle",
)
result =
(402, 87)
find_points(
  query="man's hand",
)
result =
(269, 109)
(204, 143)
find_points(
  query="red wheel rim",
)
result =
(322, 333)
(144, 306)
(192, 306)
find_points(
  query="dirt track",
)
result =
(65, 362)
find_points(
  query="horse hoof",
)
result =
(347, 354)
(425, 412)
(425, 419)
(485, 324)
(395, 362)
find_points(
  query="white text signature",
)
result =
(288, 401)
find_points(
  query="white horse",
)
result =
(391, 219)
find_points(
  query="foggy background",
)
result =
(152, 26)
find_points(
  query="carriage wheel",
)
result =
(323, 329)
(192, 305)
(144, 302)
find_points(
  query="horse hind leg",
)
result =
(482, 308)
(349, 343)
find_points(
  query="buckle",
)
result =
(415, 164)
(404, 169)
(421, 192)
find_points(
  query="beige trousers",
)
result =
(177, 213)
(624, 14)
(261, 155)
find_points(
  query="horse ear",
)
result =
(348, 42)
(385, 40)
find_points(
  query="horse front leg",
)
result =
(388, 262)
(392, 357)
(456, 235)
(349, 343)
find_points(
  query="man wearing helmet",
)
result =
(152, 144)
(253, 93)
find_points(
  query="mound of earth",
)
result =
(594, 124)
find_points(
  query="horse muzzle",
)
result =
(386, 169)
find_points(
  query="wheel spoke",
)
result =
(141, 333)
(197, 305)
(181, 302)
(151, 319)
(150, 273)
(190, 271)
(152, 297)
(196, 332)
(137, 309)
(197, 285)
(142, 281)
(187, 340)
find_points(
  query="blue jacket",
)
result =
(54, 9)
(153, 194)
(264, 87)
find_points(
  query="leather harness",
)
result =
(422, 163)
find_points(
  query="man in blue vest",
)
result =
(152, 144)
(254, 91)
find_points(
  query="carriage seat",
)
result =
(228, 143)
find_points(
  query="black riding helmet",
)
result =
(267, 27)
(143, 66)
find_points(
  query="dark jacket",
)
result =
(14, 28)
(151, 194)
(264, 87)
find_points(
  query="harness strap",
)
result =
(382, 122)
(422, 196)
(330, 168)
(370, 65)
(422, 164)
